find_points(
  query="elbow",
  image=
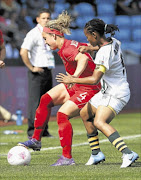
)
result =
(21, 52)
(95, 82)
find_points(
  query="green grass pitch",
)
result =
(129, 127)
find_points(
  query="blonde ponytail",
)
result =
(61, 24)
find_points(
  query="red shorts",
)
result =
(80, 95)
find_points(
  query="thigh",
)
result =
(59, 94)
(88, 111)
(104, 114)
(70, 109)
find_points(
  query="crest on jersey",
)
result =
(74, 43)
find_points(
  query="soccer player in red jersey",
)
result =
(2, 50)
(71, 97)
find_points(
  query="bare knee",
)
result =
(98, 124)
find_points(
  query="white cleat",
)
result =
(95, 159)
(128, 159)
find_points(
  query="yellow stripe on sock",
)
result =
(112, 110)
(93, 138)
(96, 147)
(93, 143)
(116, 140)
(118, 145)
(123, 147)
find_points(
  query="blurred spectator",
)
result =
(128, 7)
(11, 47)
(6, 115)
(10, 5)
(22, 3)
(3, 23)
(51, 4)
(92, 2)
(12, 22)
(74, 15)
(2, 18)
(33, 6)
(23, 22)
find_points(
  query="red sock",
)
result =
(65, 133)
(42, 116)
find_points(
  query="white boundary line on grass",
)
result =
(83, 144)
(86, 143)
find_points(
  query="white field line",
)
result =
(83, 144)
(86, 143)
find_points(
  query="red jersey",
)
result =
(68, 53)
(1, 38)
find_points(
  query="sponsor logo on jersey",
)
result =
(74, 43)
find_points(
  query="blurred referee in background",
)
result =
(39, 60)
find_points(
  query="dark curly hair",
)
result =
(99, 26)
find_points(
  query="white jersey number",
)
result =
(82, 96)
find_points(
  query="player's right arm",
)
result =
(24, 55)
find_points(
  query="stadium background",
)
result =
(17, 17)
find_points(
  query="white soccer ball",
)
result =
(19, 155)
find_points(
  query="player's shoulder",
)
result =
(107, 48)
(72, 44)
(70, 48)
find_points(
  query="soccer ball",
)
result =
(18, 155)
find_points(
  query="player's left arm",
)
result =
(94, 79)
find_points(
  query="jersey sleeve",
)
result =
(29, 41)
(103, 57)
(1, 38)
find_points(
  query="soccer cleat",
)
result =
(32, 143)
(128, 159)
(63, 161)
(95, 159)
